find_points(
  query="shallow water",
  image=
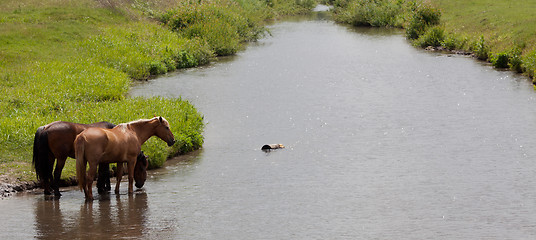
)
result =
(383, 141)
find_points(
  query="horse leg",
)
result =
(89, 180)
(47, 180)
(131, 165)
(103, 179)
(107, 184)
(119, 175)
(60, 163)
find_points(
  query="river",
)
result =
(382, 141)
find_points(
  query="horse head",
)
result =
(163, 132)
(140, 170)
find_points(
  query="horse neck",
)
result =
(143, 129)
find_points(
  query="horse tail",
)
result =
(79, 145)
(41, 151)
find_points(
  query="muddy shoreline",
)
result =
(8, 189)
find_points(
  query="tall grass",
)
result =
(144, 49)
(376, 13)
(423, 17)
(286, 7)
(529, 64)
(223, 24)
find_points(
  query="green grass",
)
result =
(39, 32)
(225, 24)
(502, 23)
(74, 60)
(385, 13)
(143, 49)
(507, 28)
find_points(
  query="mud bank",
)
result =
(8, 188)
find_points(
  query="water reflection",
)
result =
(49, 218)
(112, 216)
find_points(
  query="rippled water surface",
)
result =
(383, 141)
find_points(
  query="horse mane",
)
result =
(124, 126)
(138, 121)
(145, 120)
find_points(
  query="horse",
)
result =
(120, 144)
(56, 141)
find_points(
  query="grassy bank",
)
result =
(503, 33)
(506, 29)
(74, 60)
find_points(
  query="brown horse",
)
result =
(56, 141)
(120, 144)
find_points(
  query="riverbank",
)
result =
(501, 33)
(76, 60)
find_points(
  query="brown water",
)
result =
(383, 141)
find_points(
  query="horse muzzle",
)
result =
(171, 142)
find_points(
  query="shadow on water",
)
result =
(111, 216)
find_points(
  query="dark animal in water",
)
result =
(54, 141)
(269, 147)
(121, 144)
(140, 170)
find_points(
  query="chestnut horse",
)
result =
(120, 144)
(56, 141)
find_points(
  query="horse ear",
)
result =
(160, 118)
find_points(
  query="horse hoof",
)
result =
(57, 194)
(102, 192)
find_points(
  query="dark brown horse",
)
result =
(121, 144)
(140, 170)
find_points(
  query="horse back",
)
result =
(103, 124)
(109, 145)
(62, 134)
(123, 144)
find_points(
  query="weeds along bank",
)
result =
(74, 60)
(501, 32)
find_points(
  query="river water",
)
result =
(383, 141)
